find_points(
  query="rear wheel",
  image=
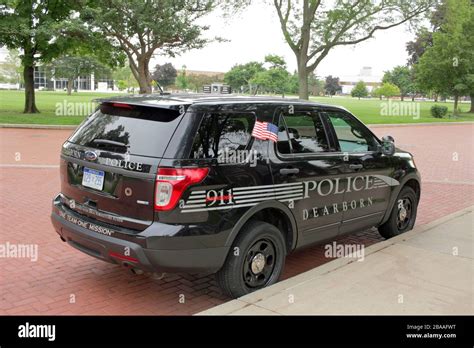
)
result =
(403, 215)
(255, 261)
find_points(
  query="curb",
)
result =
(254, 297)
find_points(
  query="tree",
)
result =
(315, 85)
(292, 85)
(447, 67)
(386, 90)
(197, 81)
(312, 28)
(239, 76)
(182, 81)
(42, 30)
(71, 67)
(125, 79)
(402, 77)
(164, 74)
(332, 86)
(274, 79)
(140, 28)
(424, 36)
(360, 90)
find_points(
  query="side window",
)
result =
(222, 132)
(302, 132)
(352, 136)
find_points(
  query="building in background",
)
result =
(372, 81)
(44, 79)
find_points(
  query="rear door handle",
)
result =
(356, 166)
(289, 171)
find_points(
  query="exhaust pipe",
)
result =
(158, 276)
(132, 268)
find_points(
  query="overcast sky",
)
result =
(256, 32)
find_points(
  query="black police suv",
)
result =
(226, 184)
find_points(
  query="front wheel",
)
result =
(255, 260)
(403, 215)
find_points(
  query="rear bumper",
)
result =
(130, 249)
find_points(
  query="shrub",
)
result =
(439, 111)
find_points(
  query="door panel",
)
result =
(368, 173)
(302, 158)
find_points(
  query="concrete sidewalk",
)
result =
(428, 270)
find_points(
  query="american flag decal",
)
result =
(265, 131)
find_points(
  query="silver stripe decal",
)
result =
(295, 195)
(267, 186)
(190, 206)
(269, 194)
(274, 190)
(219, 208)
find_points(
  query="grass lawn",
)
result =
(376, 111)
(368, 110)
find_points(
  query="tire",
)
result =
(258, 263)
(395, 225)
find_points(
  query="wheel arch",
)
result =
(277, 214)
(411, 180)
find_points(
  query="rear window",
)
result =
(220, 132)
(140, 131)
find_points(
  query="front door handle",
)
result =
(356, 166)
(289, 171)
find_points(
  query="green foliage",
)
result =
(439, 111)
(182, 81)
(125, 79)
(164, 74)
(332, 85)
(274, 79)
(360, 90)
(71, 67)
(140, 28)
(315, 85)
(402, 77)
(197, 81)
(447, 67)
(240, 75)
(386, 90)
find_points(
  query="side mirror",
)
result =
(388, 145)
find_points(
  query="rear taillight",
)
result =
(172, 182)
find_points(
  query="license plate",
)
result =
(93, 178)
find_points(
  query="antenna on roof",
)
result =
(162, 92)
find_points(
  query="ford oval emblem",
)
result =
(90, 155)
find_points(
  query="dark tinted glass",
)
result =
(352, 136)
(304, 134)
(140, 131)
(220, 132)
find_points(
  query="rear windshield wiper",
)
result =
(109, 142)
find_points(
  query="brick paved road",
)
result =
(61, 273)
